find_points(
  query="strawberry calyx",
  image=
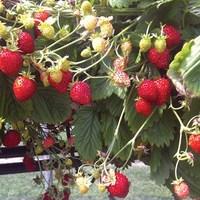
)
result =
(27, 75)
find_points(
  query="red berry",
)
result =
(29, 163)
(160, 60)
(66, 179)
(143, 107)
(121, 186)
(147, 90)
(63, 85)
(26, 43)
(81, 93)
(24, 88)
(194, 143)
(48, 142)
(181, 190)
(41, 16)
(173, 35)
(10, 62)
(46, 196)
(11, 139)
(164, 90)
(66, 195)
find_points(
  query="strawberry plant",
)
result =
(124, 81)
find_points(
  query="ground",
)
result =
(22, 187)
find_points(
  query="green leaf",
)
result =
(161, 164)
(162, 131)
(115, 105)
(134, 119)
(108, 125)
(50, 106)
(121, 3)
(88, 133)
(185, 69)
(103, 88)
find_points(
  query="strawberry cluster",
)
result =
(152, 93)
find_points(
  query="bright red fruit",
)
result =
(194, 143)
(147, 90)
(41, 16)
(121, 186)
(48, 142)
(63, 85)
(181, 190)
(29, 163)
(66, 195)
(160, 60)
(173, 35)
(46, 196)
(10, 62)
(143, 107)
(11, 139)
(24, 88)
(26, 42)
(164, 90)
(81, 93)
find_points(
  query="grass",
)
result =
(22, 187)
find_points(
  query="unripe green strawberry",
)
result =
(86, 53)
(86, 8)
(64, 64)
(126, 47)
(27, 21)
(55, 75)
(89, 22)
(99, 44)
(160, 44)
(145, 44)
(47, 30)
(3, 31)
(2, 7)
(106, 29)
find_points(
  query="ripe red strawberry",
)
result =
(181, 190)
(46, 196)
(29, 163)
(173, 35)
(40, 17)
(11, 139)
(160, 60)
(66, 179)
(10, 62)
(63, 85)
(148, 90)
(48, 142)
(120, 187)
(120, 63)
(164, 90)
(121, 78)
(194, 143)
(24, 88)
(143, 107)
(66, 195)
(26, 43)
(81, 93)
